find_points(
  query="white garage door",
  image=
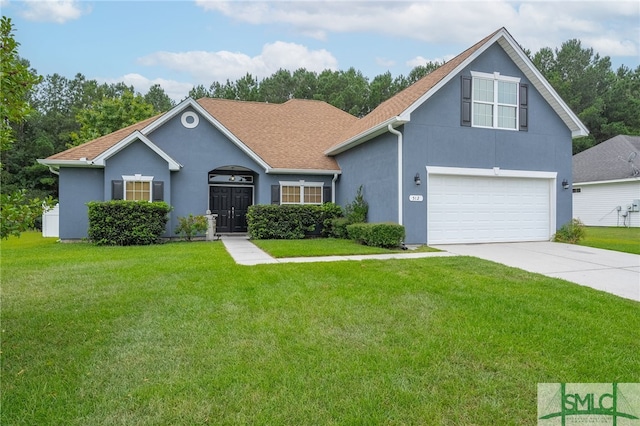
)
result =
(482, 209)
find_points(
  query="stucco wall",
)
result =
(374, 165)
(434, 137)
(78, 186)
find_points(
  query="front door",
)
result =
(230, 203)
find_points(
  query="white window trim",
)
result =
(302, 184)
(496, 77)
(137, 178)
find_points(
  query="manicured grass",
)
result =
(314, 247)
(610, 238)
(179, 334)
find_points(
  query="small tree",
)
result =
(190, 226)
(357, 210)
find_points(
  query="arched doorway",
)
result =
(230, 195)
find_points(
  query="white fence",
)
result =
(51, 222)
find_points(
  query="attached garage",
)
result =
(489, 205)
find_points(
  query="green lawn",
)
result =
(322, 247)
(178, 334)
(610, 238)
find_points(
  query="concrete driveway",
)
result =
(611, 271)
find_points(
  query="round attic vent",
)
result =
(190, 119)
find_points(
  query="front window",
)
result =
(301, 192)
(495, 101)
(137, 187)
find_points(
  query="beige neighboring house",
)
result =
(606, 183)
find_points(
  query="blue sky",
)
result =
(179, 44)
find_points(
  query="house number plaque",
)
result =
(415, 198)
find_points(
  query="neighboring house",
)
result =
(606, 183)
(474, 152)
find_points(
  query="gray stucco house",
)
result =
(476, 151)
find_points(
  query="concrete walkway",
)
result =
(244, 252)
(610, 271)
(606, 270)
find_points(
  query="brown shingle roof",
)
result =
(293, 135)
(92, 149)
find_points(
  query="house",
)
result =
(474, 152)
(606, 183)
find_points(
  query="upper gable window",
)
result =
(495, 101)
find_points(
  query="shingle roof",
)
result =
(296, 135)
(92, 149)
(293, 135)
(612, 159)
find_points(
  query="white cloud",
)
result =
(207, 67)
(611, 27)
(174, 89)
(58, 11)
(385, 63)
(419, 60)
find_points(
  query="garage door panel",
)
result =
(471, 209)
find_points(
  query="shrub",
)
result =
(386, 235)
(357, 210)
(338, 228)
(286, 221)
(330, 213)
(571, 232)
(125, 223)
(190, 226)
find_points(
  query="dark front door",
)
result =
(230, 203)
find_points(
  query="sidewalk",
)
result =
(244, 252)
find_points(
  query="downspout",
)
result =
(333, 187)
(55, 172)
(399, 135)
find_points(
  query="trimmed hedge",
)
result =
(386, 235)
(289, 221)
(127, 223)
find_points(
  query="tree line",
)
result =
(66, 112)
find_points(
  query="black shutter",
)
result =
(275, 194)
(117, 190)
(465, 101)
(157, 192)
(326, 194)
(524, 107)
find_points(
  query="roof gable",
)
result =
(614, 159)
(101, 159)
(397, 109)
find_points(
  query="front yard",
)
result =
(179, 334)
(610, 238)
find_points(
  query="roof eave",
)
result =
(286, 171)
(602, 182)
(56, 164)
(367, 135)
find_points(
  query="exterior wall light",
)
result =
(416, 179)
(565, 184)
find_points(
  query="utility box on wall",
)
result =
(635, 206)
